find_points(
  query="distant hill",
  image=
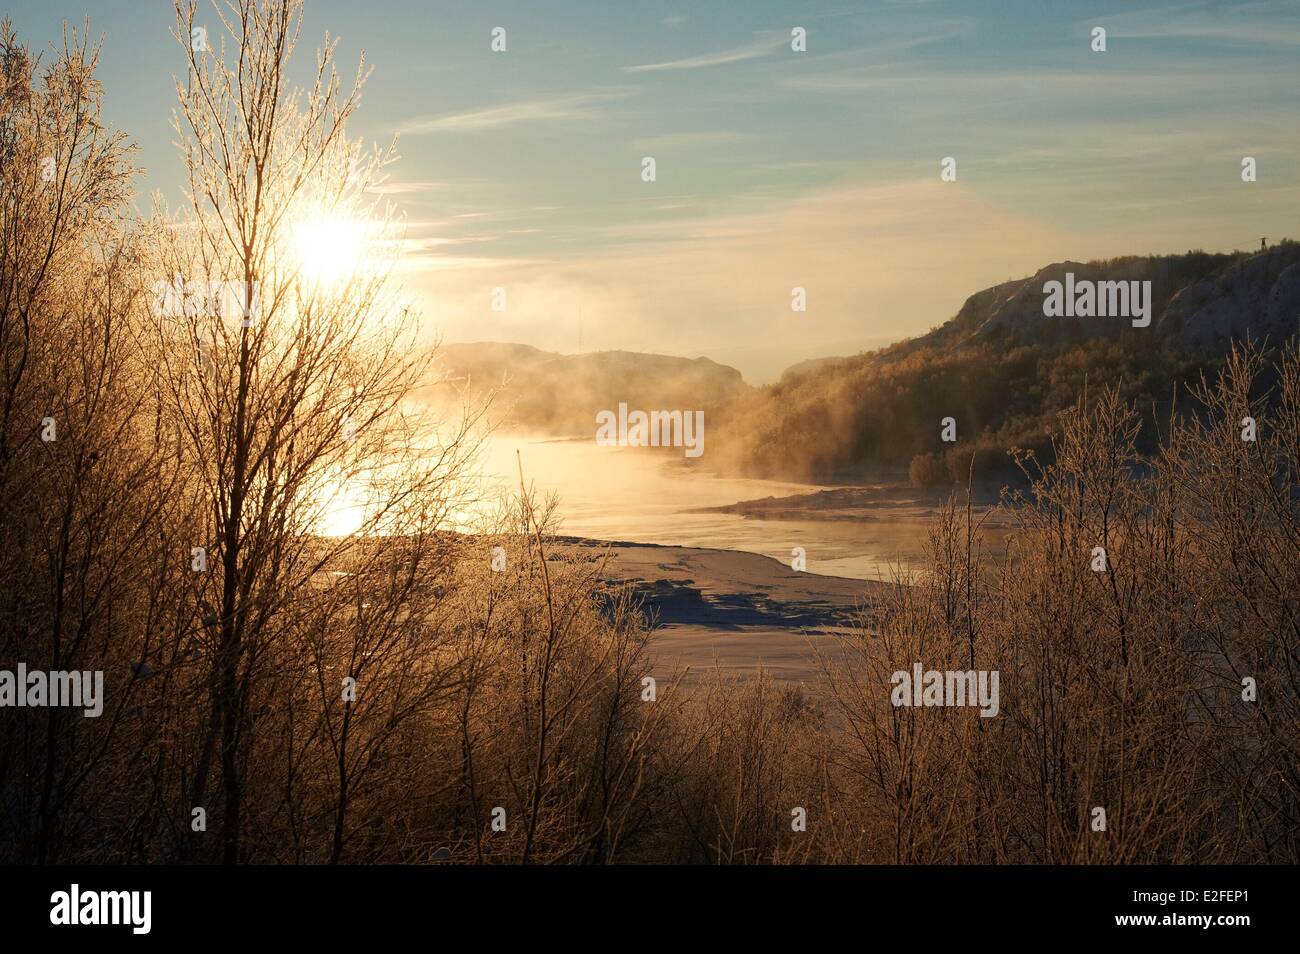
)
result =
(811, 366)
(1200, 300)
(1004, 371)
(561, 394)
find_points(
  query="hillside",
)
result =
(560, 394)
(1004, 371)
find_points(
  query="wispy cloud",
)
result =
(688, 140)
(1119, 82)
(1266, 23)
(743, 265)
(560, 108)
(751, 52)
(413, 188)
(941, 32)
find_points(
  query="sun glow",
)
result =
(330, 250)
(341, 509)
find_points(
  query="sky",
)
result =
(775, 169)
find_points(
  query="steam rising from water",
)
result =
(646, 496)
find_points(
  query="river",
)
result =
(643, 496)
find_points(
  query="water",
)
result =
(646, 496)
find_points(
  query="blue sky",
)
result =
(774, 168)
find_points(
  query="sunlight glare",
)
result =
(329, 250)
(342, 510)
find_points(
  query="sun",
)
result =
(341, 509)
(330, 250)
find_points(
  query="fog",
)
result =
(647, 496)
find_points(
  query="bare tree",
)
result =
(292, 405)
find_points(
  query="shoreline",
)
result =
(874, 503)
(732, 612)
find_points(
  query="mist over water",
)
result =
(647, 495)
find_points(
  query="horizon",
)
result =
(521, 169)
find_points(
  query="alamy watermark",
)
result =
(971, 687)
(39, 688)
(683, 429)
(1089, 299)
(206, 299)
(75, 907)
